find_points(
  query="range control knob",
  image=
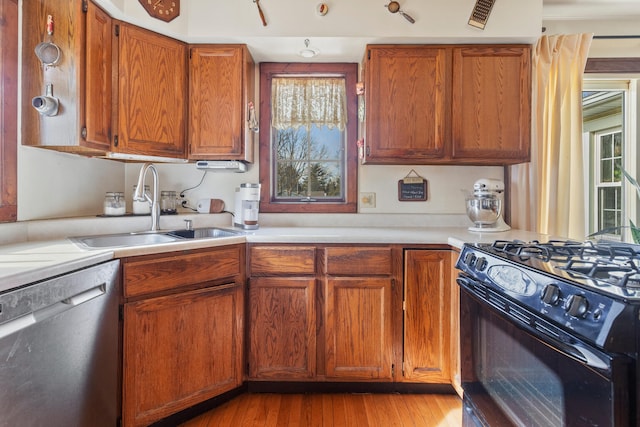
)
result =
(550, 294)
(481, 264)
(577, 306)
(469, 259)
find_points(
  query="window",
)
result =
(308, 155)
(607, 114)
(9, 109)
(608, 181)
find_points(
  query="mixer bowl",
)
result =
(484, 211)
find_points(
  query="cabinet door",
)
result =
(491, 120)
(98, 74)
(282, 343)
(358, 328)
(151, 94)
(427, 316)
(217, 102)
(406, 92)
(180, 350)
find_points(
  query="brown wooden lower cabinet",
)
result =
(282, 335)
(183, 339)
(358, 333)
(332, 313)
(340, 331)
(427, 345)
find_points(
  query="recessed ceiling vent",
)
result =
(480, 13)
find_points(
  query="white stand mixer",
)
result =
(484, 206)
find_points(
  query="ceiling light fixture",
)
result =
(308, 52)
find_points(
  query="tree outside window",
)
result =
(309, 163)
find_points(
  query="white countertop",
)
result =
(28, 262)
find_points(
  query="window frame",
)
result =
(9, 113)
(599, 182)
(350, 72)
(629, 113)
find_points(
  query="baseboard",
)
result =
(346, 387)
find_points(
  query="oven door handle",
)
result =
(581, 353)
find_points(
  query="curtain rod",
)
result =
(618, 37)
(625, 36)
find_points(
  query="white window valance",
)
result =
(302, 101)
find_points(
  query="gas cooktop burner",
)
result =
(598, 263)
(628, 279)
(559, 250)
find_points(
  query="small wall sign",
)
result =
(412, 188)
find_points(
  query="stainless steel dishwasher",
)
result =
(59, 350)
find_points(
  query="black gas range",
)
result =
(550, 304)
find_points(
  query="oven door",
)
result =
(513, 374)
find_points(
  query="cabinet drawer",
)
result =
(162, 273)
(363, 261)
(282, 260)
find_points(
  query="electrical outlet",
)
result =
(367, 200)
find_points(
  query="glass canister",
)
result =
(168, 202)
(141, 207)
(114, 203)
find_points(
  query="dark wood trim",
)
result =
(9, 112)
(346, 387)
(200, 408)
(350, 71)
(612, 65)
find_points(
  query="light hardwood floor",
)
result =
(329, 410)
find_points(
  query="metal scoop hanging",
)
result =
(47, 51)
(394, 7)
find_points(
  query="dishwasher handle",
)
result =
(19, 323)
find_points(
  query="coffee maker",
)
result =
(247, 205)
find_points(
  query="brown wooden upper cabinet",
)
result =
(221, 85)
(80, 79)
(447, 104)
(125, 91)
(406, 95)
(152, 84)
(491, 104)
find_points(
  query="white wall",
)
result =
(445, 185)
(343, 32)
(56, 185)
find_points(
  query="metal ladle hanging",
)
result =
(394, 7)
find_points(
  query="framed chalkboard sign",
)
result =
(412, 188)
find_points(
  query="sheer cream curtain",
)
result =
(547, 194)
(299, 102)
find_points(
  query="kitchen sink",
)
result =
(205, 233)
(150, 238)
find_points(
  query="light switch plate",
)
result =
(367, 200)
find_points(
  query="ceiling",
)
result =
(341, 38)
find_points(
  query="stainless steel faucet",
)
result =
(141, 196)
